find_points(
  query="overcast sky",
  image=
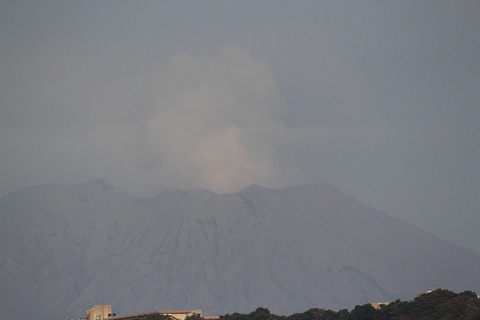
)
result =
(379, 98)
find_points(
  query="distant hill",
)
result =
(67, 248)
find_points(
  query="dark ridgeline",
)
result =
(67, 248)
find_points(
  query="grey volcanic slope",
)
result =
(67, 248)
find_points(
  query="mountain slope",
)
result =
(67, 248)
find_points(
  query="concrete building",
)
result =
(174, 314)
(378, 305)
(100, 312)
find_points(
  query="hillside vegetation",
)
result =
(438, 304)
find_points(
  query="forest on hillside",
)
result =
(439, 304)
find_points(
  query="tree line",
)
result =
(438, 304)
(435, 305)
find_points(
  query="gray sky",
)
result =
(381, 99)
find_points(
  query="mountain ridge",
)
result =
(71, 247)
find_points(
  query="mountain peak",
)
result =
(286, 249)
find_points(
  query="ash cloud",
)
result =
(215, 124)
(211, 122)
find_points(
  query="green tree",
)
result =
(365, 312)
(155, 316)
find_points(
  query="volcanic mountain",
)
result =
(65, 249)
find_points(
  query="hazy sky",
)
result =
(379, 98)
